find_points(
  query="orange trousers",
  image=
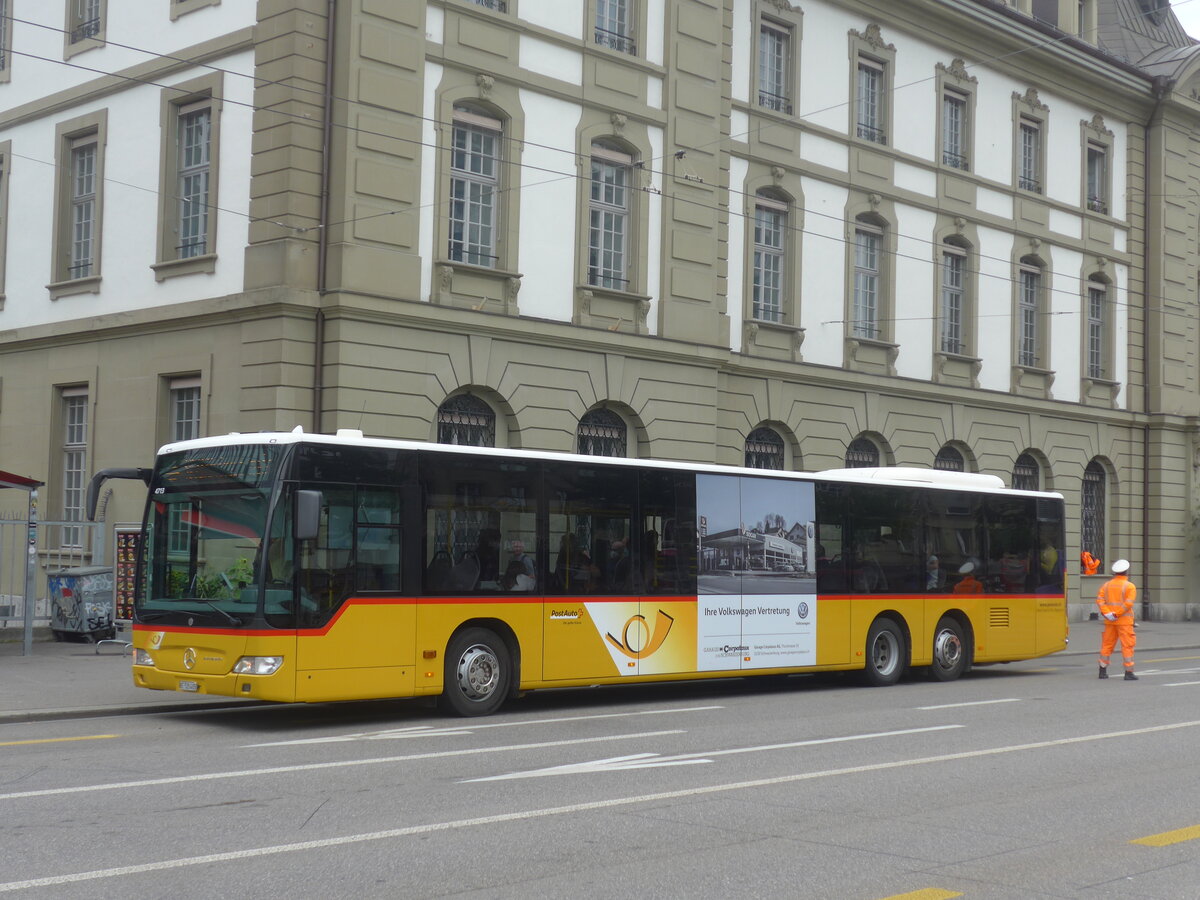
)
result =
(1118, 631)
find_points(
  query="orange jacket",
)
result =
(1091, 564)
(969, 585)
(1116, 596)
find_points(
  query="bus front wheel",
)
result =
(478, 673)
(885, 653)
(951, 654)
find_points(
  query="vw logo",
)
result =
(802, 610)
(189, 658)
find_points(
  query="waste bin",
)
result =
(81, 603)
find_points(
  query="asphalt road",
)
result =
(1032, 780)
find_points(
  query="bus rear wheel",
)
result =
(951, 653)
(886, 654)
(478, 673)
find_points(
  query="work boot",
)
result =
(1103, 671)
(1129, 676)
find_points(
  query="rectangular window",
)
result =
(497, 5)
(1097, 178)
(1096, 329)
(188, 183)
(195, 148)
(954, 134)
(5, 180)
(774, 49)
(614, 27)
(1030, 173)
(866, 283)
(85, 19)
(952, 301)
(74, 461)
(1028, 309)
(83, 207)
(474, 182)
(608, 219)
(184, 409)
(5, 39)
(770, 229)
(870, 101)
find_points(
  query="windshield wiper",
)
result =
(229, 617)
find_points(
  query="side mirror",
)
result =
(307, 522)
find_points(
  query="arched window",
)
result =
(764, 449)
(466, 420)
(1092, 509)
(949, 460)
(602, 433)
(1026, 474)
(862, 454)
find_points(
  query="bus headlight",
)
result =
(142, 658)
(258, 665)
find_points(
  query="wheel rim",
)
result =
(947, 649)
(885, 653)
(478, 672)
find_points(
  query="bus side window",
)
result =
(324, 572)
(378, 540)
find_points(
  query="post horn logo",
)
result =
(635, 629)
(189, 658)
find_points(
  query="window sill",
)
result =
(89, 285)
(956, 368)
(871, 355)
(1031, 381)
(600, 307)
(183, 7)
(777, 340)
(479, 288)
(1099, 391)
(193, 265)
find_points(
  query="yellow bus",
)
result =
(305, 567)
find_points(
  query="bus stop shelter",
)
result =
(30, 485)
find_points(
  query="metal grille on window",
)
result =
(770, 227)
(602, 433)
(954, 117)
(773, 50)
(953, 260)
(1092, 510)
(466, 420)
(862, 454)
(764, 449)
(866, 283)
(1026, 475)
(949, 460)
(83, 209)
(194, 169)
(474, 180)
(608, 219)
(613, 25)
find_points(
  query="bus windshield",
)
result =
(204, 527)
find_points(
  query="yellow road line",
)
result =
(925, 894)
(1166, 838)
(1175, 659)
(86, 737)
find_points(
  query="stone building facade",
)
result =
(953, 233)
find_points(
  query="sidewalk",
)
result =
(66, 680)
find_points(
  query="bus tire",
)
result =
(886, 653)
(951, 651)
(478, 673)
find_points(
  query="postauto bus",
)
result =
(305, 567)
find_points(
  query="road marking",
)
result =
(1180, 683)
(546, 812)
(1166, 838)
(1176, 659)
(453, 731)
(973, 703)
(308, 767)
(653, 760)
(1189, 671)
(85, 737)
(926, 894)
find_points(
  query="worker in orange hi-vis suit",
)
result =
(1115, 600)
(969, 583)
(1091, 564)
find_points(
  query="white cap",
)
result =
(933, 559)
(966, 568)
(1120, 567)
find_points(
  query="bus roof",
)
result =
(897, 476)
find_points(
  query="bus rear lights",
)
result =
(257, 665)
(142, 658)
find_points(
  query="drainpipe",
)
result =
(323, 223)
(1159, 89)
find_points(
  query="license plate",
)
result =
(189, 686)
